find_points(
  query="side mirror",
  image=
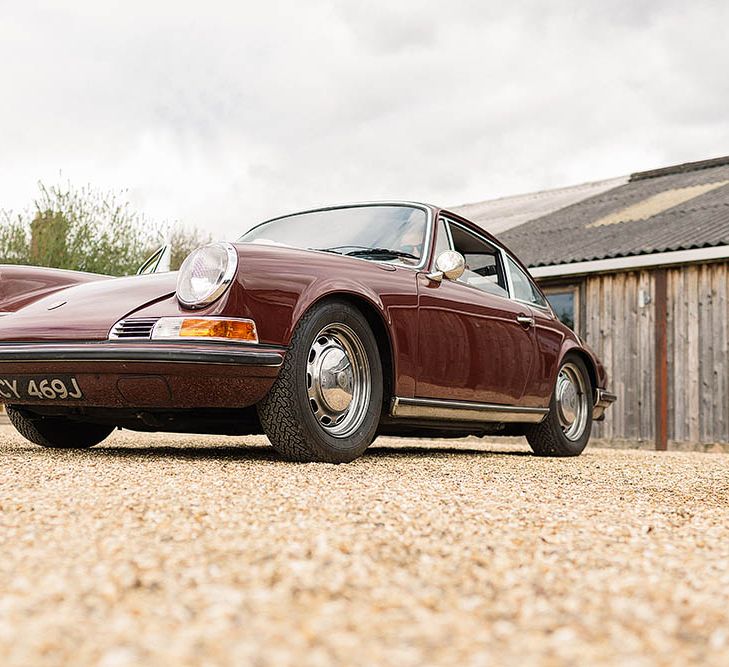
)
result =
(449, 264)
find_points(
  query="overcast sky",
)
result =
(219, 114)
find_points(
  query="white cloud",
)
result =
(222, 113)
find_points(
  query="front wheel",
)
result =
(57, 432)
(326, 402)
(566, 429)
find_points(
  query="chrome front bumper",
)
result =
(148, 375)
(603, 400)
(53, 354)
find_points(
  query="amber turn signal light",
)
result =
(206, 328)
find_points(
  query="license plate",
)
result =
(40, 388)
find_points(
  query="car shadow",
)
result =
(416, 450)
(211, 452)
(263, 453)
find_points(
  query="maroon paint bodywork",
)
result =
(446, 340)
(22, 285)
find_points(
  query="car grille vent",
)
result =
(134, 328)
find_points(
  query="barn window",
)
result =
(565, 302)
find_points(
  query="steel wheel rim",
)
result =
(338, 380)
(572, 401)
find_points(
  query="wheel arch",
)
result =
(375, 315)
(588, 361)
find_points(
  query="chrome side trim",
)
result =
(603, 400)
(465, 411)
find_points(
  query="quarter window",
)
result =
(524, 288)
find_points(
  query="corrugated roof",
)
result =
(676, 208)
(498, 215)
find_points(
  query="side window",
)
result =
(524, 288)
(151, 264)
(484, 269)
(442, 242)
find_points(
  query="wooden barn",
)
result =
(639, 267)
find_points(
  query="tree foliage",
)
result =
(14, 239)
(87, 229)
(183, 242)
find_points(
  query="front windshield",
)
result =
(382, 232)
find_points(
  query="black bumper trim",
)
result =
(89, 352)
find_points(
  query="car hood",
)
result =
(87, 311)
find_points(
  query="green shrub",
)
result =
(88, 229)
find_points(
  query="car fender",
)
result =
(276, 286)
(598, 374)
(330, 287)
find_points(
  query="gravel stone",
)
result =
(206, 550)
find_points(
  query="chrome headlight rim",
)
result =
(227, 278)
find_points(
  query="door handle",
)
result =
(525, 320)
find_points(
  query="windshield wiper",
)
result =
(380, 251)
(332, 250)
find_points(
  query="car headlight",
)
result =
(206, 273)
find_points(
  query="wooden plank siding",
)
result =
(698, 366)
(621, 331)
(620, 327)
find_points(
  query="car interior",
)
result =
(484, 267)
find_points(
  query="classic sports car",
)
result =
(321, 329)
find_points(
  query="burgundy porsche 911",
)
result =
(321, 329)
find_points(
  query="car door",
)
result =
(472, 344)
(548, 335)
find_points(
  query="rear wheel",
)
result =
(566, 429)
(57, 432)
(326, 402)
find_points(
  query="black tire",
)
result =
(57, 432)
(548, 437)
(286, 413)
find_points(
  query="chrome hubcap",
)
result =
(572, 401)
(338, 380)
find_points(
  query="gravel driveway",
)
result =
(170, 550)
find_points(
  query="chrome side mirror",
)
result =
(449, 264)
